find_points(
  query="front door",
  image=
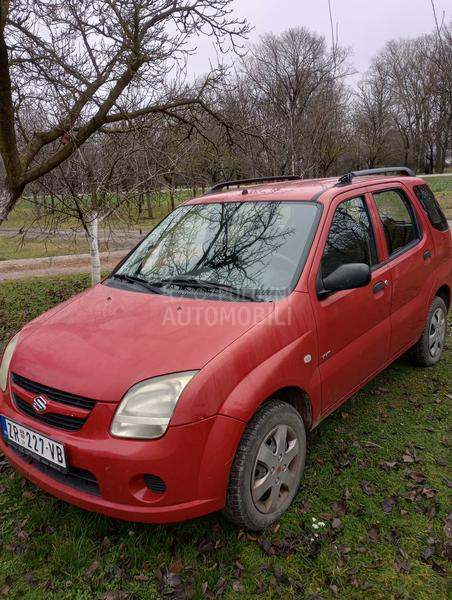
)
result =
(354, 325)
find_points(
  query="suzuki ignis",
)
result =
(186, 381)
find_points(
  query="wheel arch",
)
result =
(285, 375)
(444, 293)
(299, 399)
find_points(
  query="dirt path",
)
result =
(120, 236)
(56, 265)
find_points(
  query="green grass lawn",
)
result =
(24, 217)
(442, 187)
(377, 476)
(24, 214)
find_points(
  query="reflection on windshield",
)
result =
(255, 246)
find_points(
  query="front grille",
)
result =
(80, 479)
(54, 419)
(56, 395)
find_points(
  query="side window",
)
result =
(397, 218)
(351, 238)
(431, 206)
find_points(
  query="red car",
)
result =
(186, 381)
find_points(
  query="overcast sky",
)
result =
(364, 25)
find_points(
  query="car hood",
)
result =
(105, 340)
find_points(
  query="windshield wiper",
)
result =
(137, 280)
(206, 284)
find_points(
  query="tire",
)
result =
(429, 349)
(264, 480)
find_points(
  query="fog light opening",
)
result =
(155, 484)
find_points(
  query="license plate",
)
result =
(34, 444)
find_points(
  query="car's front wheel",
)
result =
(268, 466)
(429, 349)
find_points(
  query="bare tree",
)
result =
(284, 74)
(81, 65)
(373, 120)
(94, 184)
(404, 106)
(440, 57)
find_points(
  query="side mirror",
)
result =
(346, 277)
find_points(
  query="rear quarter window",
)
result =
(431, 207)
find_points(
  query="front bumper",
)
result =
(193, 461)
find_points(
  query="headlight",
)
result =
(6, 361)
(147, 408)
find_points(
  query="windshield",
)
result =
(251, 248)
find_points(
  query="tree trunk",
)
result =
(172, 191)
(149, 205)
(8, 199)
(37, 205)
(93, 241)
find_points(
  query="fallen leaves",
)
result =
(92, 569)
(389, 503)
(373, 534)
(113, 595)
(388, 465)
(28, 495)
(401, 566)
(262, 587)
(339, 507)
(427, 553)
(417, 492)
(447, 528)
(416, 476)
(409, 455)
(366, 488)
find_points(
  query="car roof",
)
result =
(298, 190)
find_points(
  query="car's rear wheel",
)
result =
(429, 349)
(268, 466)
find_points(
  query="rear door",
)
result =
(409, 250)
(354, 325)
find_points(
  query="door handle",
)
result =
(427, 255)
(380, 286)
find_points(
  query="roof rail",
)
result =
(347, 179)
(218, 187)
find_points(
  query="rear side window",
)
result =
(431, 206)
(351, 238)
(398, 221)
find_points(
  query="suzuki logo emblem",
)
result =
(40, 404)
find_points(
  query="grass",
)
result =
(377, 476)
(24, 217)
(127, 216)
(442, 187)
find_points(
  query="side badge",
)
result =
(307, 359)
